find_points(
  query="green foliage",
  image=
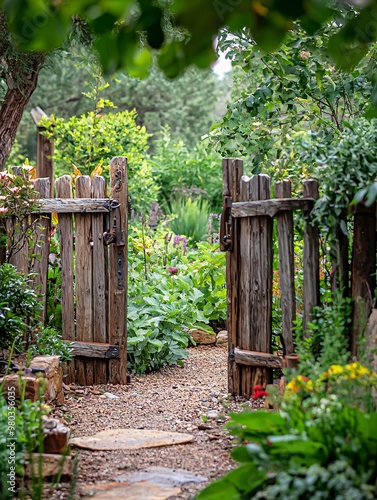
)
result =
(170, 291)
(48, 342)
(327, 337)
(24, 421)
(191, 170)
(18, 198)
(19, 306)
(189, 217)
(344, 168)
(292, 90)
(321, 444)
(124, 47)
(92, 139)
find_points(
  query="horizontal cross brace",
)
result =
(94, 350)
(270, 207)
(253, 358)
(76, 205)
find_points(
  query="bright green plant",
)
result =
(89, 141)
(171, 289)
(325, 423)
(48, 342)
(19, 306)
(20, 434)
(189, 217)
(180, 170)
(326, 340)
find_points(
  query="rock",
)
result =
(130, 439)
(110, 396)
(163, 476)
(203, 338)
(213, 415)
(56, 435)
(51, 465)
(222, 338)
(129, 491)
(42, 367)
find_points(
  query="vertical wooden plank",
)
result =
(39, 264)
(118, 270)
(45, 150)
(255, 283)
(84, 269)
(340, 264)
(311, 259)
(65, 229)
(99, 281)
(232, 173)
(286, 266)
(363, 270)
(19, 253)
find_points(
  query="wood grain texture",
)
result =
(45, 160)
(118, 270)
(311, 259)
(259, 359)
(83, 205)
(100, 268)
(286, 267)
(41, 240)
(19, 251)
(363, 271)
(65, 228)
(84, 285)
(232, 173)
(270, 207)
(255, 323)
(95, 350)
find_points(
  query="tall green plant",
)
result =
(189, 217)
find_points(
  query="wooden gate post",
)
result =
(255, 312)
(311, 259)
(363, 270)
(118, 270)
(232, 173)
(45, 150)
(286, 267)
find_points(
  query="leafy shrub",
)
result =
(27, 437)
(326, 423)
(19, 306)
(171, 289)
(48, 342)
(92, 139)
(18, 199)
(328, 334)
(189, 217)
(178, 168)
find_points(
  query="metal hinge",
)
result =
(226, 226)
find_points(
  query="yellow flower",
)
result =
(335, 369)
(309, 385)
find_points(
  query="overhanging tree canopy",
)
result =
(42, 25)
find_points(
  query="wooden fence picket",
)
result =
(65, 228)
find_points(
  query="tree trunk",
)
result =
(17, 96)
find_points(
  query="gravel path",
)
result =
(173, 399)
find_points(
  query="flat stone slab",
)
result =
(163, 476)
(130, 439)
(129, 491)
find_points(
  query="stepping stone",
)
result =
(129, 491)
(130, 439)
(163, 476)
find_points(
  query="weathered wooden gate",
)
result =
(246, 235)
(92, 232)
